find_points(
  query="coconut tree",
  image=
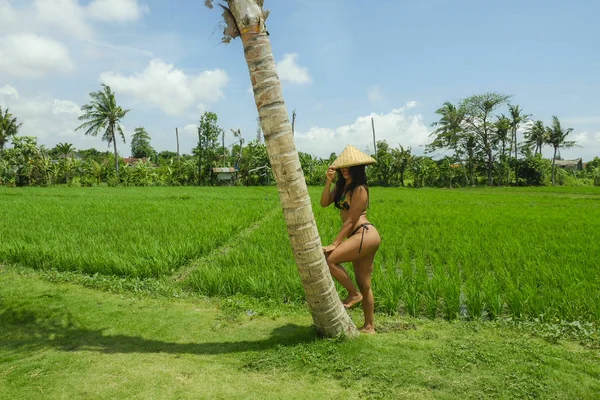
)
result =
(517, 118)
(102, 114)
(557, 138)
(66, 151)
(501, 129)
(536, 136)
(8, 127)
(246, 19)
(450, 133)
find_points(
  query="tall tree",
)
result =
(402, 158)
(450, 133)
(502, 128)
(536, 136)
(8, 127)
(140, 144)
(517, 118)
(557, 138)
(246, 18)
(207, 150)
(65, 150)
(103, 114)
(478, 113)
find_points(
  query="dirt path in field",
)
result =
(185, 272)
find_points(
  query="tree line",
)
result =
(479, 147)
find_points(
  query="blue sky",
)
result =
(341, 62)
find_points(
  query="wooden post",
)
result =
(374, 142)
(177, 135)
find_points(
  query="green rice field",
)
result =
(465, 253)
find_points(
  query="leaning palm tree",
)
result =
(8, 127)
(557, 138)
(102, 114)
(246, 18)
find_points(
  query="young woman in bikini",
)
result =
(351, 196)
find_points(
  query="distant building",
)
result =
(226, 174)
(575, 164)
(133, 160)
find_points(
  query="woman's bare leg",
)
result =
(341, 275)
(363, 270)
(348, 251)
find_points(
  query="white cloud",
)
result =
(588, 146)
(288, 70)
(115, 10)
(191, 129)
(8, 91)
(48, 17)
(168, 88)
(374, 94)
(50, 120)
(396, 127)
(65, 107)
(66, 16)
(30, 55)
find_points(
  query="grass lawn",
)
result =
(60, 340)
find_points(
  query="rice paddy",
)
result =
(526, 253)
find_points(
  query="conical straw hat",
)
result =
(352, 156)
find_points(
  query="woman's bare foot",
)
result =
(351, 300)
(368, 329)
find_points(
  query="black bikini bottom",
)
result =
(366, 228)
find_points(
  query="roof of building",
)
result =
(567, 163)
(224, 169)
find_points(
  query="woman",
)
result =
(351, 196)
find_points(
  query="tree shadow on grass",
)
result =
(27, 330)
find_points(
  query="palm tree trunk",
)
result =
(490, 165)
(553, 163)
(329, 315)
(116, 154)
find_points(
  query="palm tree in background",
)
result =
(517, 118)
(502, 129)
(65, 149)
(103, 115)
(450, 132)
(8, 127)
(557, 138)
(536, 136)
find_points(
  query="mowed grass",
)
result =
(135, 232)
(64, 341)
(467, 253)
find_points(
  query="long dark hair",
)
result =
(359, 178)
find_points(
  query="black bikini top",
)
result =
(344, 203)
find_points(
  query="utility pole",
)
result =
(224, 149)
(293, 121)
(374, 142)
(177, 136)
